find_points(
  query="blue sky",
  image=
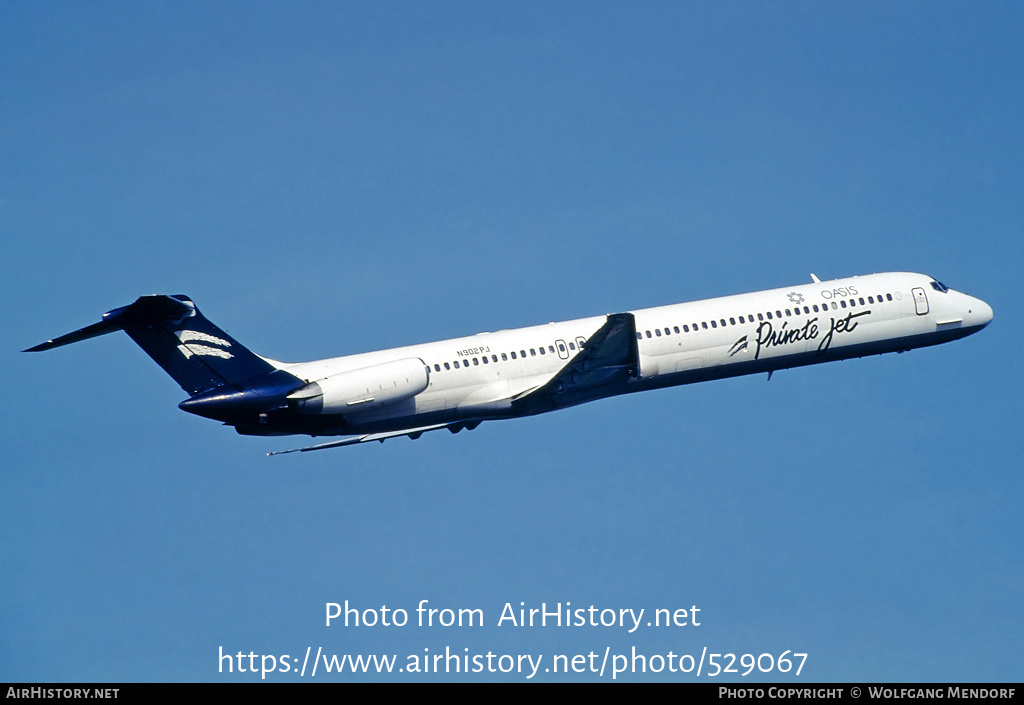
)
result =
(329, 178)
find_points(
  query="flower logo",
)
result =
(795, 298)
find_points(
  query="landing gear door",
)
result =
(920, 301)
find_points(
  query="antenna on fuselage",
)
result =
(814, 278)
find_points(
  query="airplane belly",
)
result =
(652, 366)
(491, 398)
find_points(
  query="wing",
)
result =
(609, 359)
(412, 433)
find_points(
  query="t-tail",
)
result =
(225, 380)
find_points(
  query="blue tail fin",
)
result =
(172, 331)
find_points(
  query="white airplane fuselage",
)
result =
(458, 383)
(677, 344)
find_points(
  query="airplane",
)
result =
(459, 383)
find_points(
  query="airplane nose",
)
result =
(979, 313)
(986, 313)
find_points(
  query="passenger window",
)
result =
(542, 351)
(447, 366)
(704, 325)
(675, 328)
(437, 368)
(484, 358)
(769, 315)
(714, 324)
(572, 346)
(657, 332)
(475, 361)
(551, 349)
(888, 297)
(456, 364)
(732, 321)
(522, 353)
(639, 336)
(686, 329)
(513, 353)
(843, 303)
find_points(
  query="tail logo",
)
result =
(197, 343)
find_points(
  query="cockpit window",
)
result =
(939, 286)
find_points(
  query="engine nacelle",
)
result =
(366, 388)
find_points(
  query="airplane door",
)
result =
(562, 348)
(920, 301)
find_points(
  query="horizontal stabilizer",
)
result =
(145, 311)
(198, 355)
(101, 328)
